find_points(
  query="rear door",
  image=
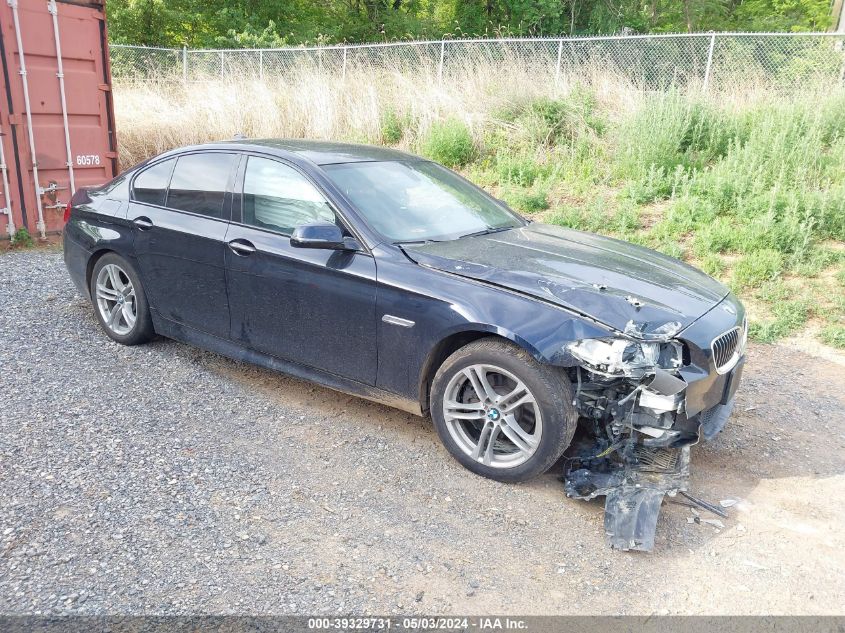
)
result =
(310, 306)
(180, 212)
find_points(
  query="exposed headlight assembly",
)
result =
(626, 357)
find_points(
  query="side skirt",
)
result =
(211, 343)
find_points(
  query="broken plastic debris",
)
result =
(714, 522)
(703, 504)
(727, 503)
(633, 483)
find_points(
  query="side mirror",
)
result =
(324, 235)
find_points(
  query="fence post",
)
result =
(440, 66)
(184, 64)
(559, 55)
(261, 65)
(343, 73)
(222, 65)
(709, 61)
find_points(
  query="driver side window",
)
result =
(279, 198)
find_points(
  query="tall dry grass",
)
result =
(747, 183)
(156, 116)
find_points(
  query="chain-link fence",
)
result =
(713, 60)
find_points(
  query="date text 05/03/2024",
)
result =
(418, 623)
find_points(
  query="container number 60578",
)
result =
(87, 159)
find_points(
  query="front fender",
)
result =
(437, 307)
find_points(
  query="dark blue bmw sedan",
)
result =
(381, 274)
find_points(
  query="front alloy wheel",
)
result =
(492, 416)
(500, 413)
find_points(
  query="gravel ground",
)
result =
(164, 479)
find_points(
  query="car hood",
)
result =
(627, 287)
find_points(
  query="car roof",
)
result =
(317, 152)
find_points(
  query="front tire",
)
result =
(119, 301)
(500, 413)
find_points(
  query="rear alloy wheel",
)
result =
(500, 413)
(116, 299)
(119, 301)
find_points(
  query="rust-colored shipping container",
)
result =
(56, 112)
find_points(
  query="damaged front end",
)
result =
(636, 427)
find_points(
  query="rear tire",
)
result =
(519, 425)
(119, 301)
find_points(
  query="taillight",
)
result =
(67, 213)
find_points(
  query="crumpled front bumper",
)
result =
(680, 427)
(649, 458)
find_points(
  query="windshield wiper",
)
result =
(487, 231)
(405, 242)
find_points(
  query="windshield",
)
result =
(419, 201)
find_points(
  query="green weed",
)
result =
(519, 170)
(757, 267)
(713, 265)
(788, 317)
(833, 335)
(22, 238)
(528, 200)
(392, 127)
(449, 142)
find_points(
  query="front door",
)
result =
(180, 212)
(310, 306)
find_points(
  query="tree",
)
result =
(258, 23)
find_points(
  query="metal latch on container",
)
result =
(50, 190)
(50, 193)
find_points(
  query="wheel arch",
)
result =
(451, 343)
(96, 256)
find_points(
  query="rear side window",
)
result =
(279, 198)
(199, 183)
(150, 186)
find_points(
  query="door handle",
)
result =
(143, 223)
(242, 247)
